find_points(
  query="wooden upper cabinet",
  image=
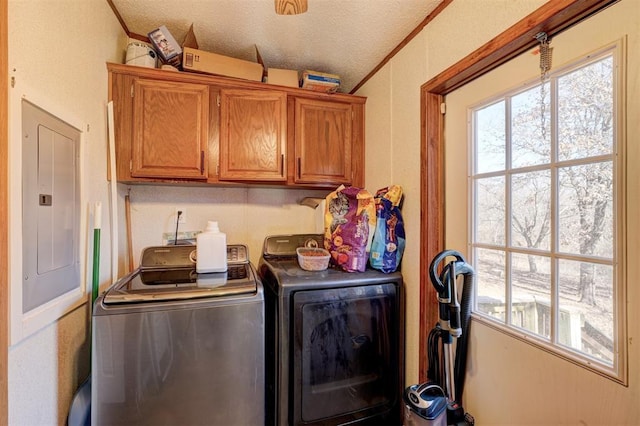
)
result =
(323, 142)
(189, 128)
(170, 129)
(253, 132)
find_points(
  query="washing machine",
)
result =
(171, 346)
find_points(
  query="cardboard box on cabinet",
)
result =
(189, 57)
(167, 48)
(282, 77)
(201, 61)
(320, 81)
(212, 63)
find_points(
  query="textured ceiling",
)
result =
(345, 37)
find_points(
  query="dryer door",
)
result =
(345, 353)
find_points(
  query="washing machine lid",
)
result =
(168, 273)
(180, 284)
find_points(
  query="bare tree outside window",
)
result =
(544, 214)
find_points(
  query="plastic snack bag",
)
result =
(349, 222)
(389, 237)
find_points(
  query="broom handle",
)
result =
(97, 215)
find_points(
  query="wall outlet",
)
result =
(183, 215)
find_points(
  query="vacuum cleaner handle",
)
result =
(436, 279)
(449, 276)
(445, 285)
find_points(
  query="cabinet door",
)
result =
(253, 130)
(170, 129)
(323, 141)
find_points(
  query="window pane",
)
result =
(531, 127)
(586, 308)
(490, 208)
(531, 293)
(531, 210)
(544, 191)
(490, 138)
(490, 274)
(585, 208)
(585, 111)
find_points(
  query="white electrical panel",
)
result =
(51, 207)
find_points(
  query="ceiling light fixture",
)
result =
(290, 7)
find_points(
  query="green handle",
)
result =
(96, 265)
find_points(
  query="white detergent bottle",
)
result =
(211, 246)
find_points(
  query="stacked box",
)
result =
(282, 77)
(320, 81)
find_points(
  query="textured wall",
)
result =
(57, 55)
(509, 382)
(245, 215)
(580, 396)
(393, 124)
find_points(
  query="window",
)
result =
(546, 217)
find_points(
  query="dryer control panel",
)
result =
(184, 256)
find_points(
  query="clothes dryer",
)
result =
(335, 340)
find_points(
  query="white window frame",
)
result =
(617, 371)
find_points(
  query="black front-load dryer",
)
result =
(334, 340)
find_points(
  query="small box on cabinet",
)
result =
(320, 81)
(166, 46)
(283, 77)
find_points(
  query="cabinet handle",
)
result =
(282, 164)
(299, 167)
(201, 162)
